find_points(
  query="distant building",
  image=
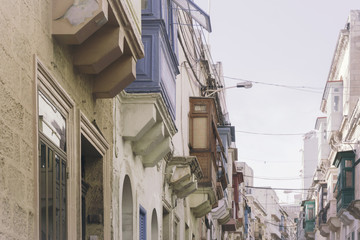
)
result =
(309, 159)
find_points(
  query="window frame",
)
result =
(50, 88)
(43, 139)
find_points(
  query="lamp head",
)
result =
(244, 85)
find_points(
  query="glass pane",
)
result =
(196, 13)
(348, 179)
(57, 200)
(310, 214)
(50, 194)
(63, 199)
(200, 108)
(57, 167)
(348, 163)
(51, 122)
(43, 191)
(336, 103)
(200, 133)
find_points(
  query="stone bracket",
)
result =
(354, 208)
(145, 122)
(324, 230)
(201, 201)
(334, 223)
(345, 217)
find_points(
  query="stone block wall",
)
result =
(25, 28)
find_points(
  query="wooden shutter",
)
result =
(142, 224)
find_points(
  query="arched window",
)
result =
(127, 210)
(154, 226)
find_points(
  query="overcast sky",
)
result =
(276, 42)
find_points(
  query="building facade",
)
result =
(333, 195)
(114, 124)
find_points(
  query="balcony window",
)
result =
(322, 196)
(344, 189)
(156, 72)
(52, 168)
(309, 216)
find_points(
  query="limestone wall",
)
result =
(25, 28)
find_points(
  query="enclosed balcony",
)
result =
(344, 189)
(309, 219)
(203, 144)
(332, 105)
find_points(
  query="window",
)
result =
(142, 224)
(336, 103)
(309, 211)
(52, 149)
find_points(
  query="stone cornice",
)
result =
(341, 45)
(339, 53)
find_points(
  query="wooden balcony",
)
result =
(203, 141)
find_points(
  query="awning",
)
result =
(196, 13)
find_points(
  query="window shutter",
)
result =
(142, 224)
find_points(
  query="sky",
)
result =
(275, 43)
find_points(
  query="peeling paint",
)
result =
(80, 10)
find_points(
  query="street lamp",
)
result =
(246, 84)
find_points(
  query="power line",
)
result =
(301, 88)
(271, 188)
(284, 226)
(271, 134)
(267, 161)
(281, 134)
(268, 178)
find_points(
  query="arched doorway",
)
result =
(154, 226)
(127, 210)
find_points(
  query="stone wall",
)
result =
(25, 28)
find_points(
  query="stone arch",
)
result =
(154, 226)
(127, 210)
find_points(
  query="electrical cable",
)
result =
(275, 84)
(187, 59)
(280, 179)
(271, 188)
(281, 134)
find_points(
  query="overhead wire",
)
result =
(282, 134)
(268, 178)
(263, 160)
(272, 188)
